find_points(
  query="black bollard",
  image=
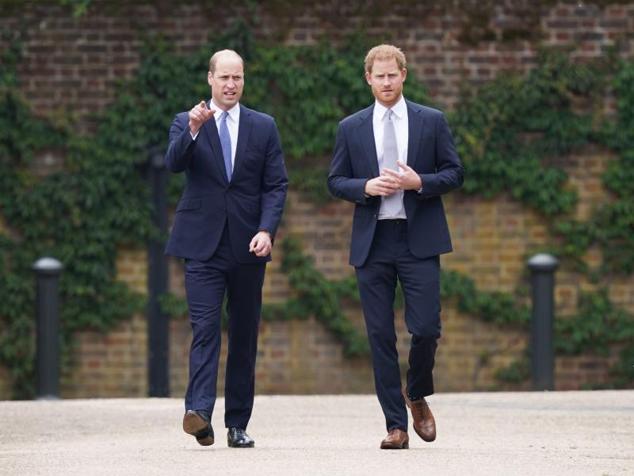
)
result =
(542, 268)
(47, 345)
(158, 322)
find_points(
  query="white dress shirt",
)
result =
(233, 122)
(401, 129)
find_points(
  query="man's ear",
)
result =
(368, 77)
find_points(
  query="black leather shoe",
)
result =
(238, 438)
(198, 423)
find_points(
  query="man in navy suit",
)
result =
(394, 160)
(224, 227)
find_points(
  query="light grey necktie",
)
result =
(225, 142)
(391, 205)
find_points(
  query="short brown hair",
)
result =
(384, 52)
(214, 59)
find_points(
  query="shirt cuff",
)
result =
(420, 190)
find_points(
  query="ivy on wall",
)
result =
(510, 133)
(513, 132)
(315, 296)
(611, 225)
(80, 216)
(595, 327)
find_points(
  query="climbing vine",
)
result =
(510, 133)
(513, 132)
(79, 215)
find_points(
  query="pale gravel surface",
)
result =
(556, 433)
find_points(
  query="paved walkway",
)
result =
(556, 433)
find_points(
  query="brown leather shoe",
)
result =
(197, 424)
(395, 440)
(424, 423)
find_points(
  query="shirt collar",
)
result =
(399, 109)
(234, 112)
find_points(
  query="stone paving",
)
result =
(540, 433)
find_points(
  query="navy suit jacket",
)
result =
(431, 153)
(252, 201)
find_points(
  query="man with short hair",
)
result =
(394, 160)
(224, 227)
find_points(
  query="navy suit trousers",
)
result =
(206, 283)
(390, 260)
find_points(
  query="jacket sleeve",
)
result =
(274, 184)
(449, 170)
(181, 144)
(341, 182)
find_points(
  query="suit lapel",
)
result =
(244, 129)
(211, 133)
(416, 131)
(369, 144)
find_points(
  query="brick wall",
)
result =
(73, 65)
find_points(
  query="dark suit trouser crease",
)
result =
(206, 283)
(390, 260)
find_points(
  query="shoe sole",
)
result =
(424, 438)
(404, 446)
(250, 445)
(196, 426)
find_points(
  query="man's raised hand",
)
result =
(198, 115)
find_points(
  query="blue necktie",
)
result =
(225, 142)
